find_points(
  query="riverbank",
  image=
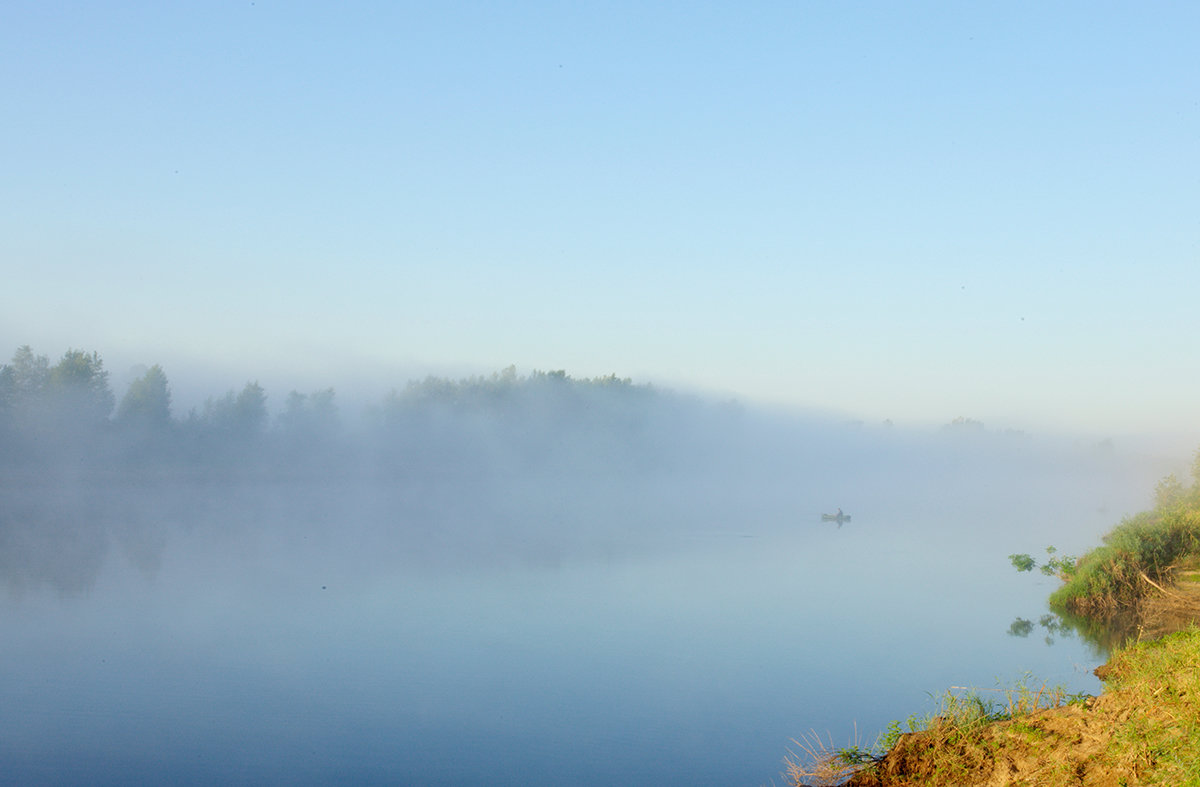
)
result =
(1143, 729)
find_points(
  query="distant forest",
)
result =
(65, 417)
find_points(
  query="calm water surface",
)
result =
(562, 636)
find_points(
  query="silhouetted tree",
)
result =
(23, 409)
(251, 409)
(243, 414)
(78, 387)
(309, 415)
(29, 373)
(22, 387)
(147, 403)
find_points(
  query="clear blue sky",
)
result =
(913, 211)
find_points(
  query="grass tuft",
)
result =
(820, 764)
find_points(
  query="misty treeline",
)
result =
(529, 467)
(64, 416)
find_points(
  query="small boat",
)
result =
(839, 517)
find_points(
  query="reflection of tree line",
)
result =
(60, 537)
(1103, 634)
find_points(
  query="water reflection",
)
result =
(43, 545)
(1021, 628)
(1102, 634)
(1055, 626)
(599, 628)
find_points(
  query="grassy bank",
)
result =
(1143, 729)
(1141, 556)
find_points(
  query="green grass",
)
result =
(1159, 682)
(1149, 546)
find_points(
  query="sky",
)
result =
(906, 211)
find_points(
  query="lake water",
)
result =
(507, 631)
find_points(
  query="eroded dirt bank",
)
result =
(1051, 747)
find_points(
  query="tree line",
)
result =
(66, 411)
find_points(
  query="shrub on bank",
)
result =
(1142, 551)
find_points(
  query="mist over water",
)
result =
(529, 580)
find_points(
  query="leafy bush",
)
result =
(1022, 562)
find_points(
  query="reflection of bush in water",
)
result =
(1103, 635)
(1020, 628)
